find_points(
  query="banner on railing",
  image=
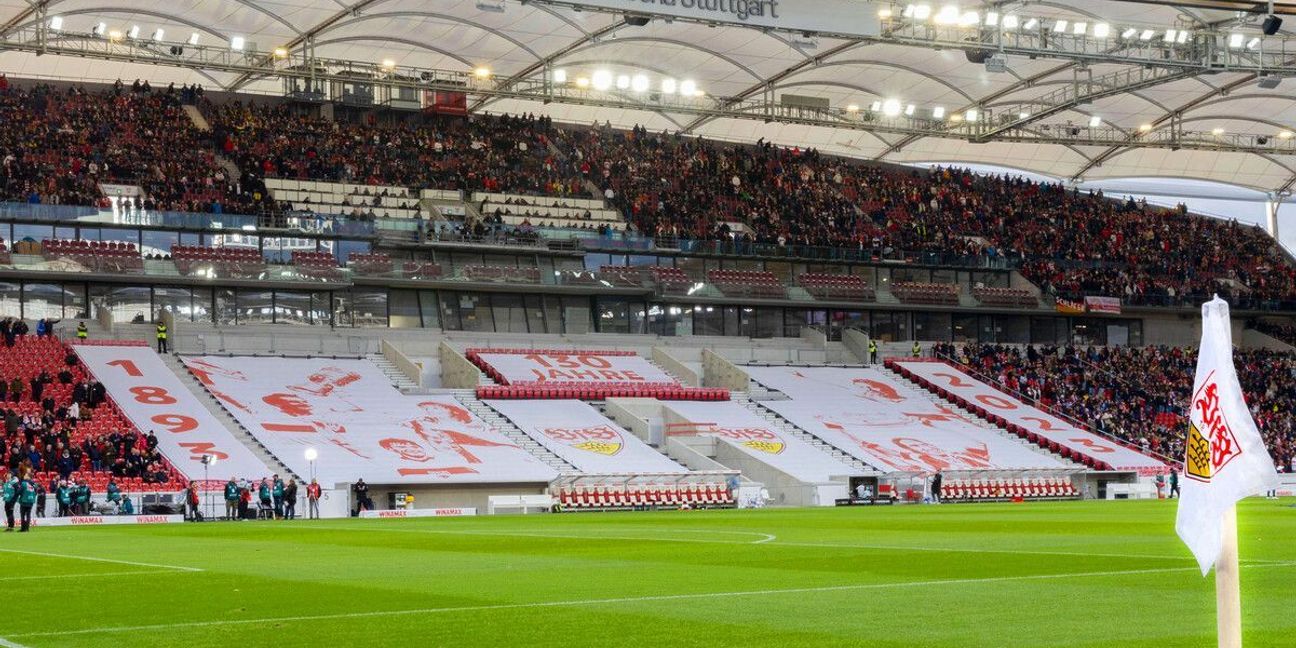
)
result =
(1109, 305)
(1070, 306)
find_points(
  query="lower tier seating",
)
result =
(926, 293)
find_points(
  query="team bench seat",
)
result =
(605, 498)
(988, 490)
(600, 392)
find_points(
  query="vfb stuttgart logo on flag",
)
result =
(599, 440)
(1211, 444)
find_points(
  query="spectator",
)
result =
(361, 490)
(312, 499)
(231, 499)
(290, 500)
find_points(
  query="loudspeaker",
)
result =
(1271, 25)
(976, 56)
(638, 21)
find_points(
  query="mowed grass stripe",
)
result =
(597, 591)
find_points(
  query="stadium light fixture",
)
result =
(969, 18)
(948, 15)
(1170, 35)
(876, 107)
(193, 38)
(282, 53)
(639, 83)
(560, 76)
(1143, 128)
(387, 64)
(688, 87)
(1183, 36)
(312, 454)
(992, 19)
(1129, 33)
(1079, 28)
(601, 80)
(1102, 30)
(158, 35)
(922, 12)
(1031, 24)
(1253, 43)
(237, 43)
(582, 82)
(884, 13)
(852, 108)
(938, 112)
(1095, 121)
(1011, 22)
(134, 32)
(971, 114)
(100, 30)
(1023, 115)
(1284, 134)
(623, 82)
(482, 72)
(669, 86)
(955, 118)
(1059, 26)
(1235, 41)
(115, 35)
(908, 11)
(56, 23)
(1147, 34)
(909, 110)
(1217, 131)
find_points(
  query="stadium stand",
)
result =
(230, 260)
(99, 256)
(747, 284)
(926, 293)
(578, 374)
(378, 201)
(1009, 297)
(502, 274)
(836, 286)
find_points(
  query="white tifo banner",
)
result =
(585, 368)
(153, 398)
(583, 437)
(889, 425)
(1032, 418)
(361, 425)
(739, 427)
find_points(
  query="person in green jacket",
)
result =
(127, 507)
(278, 492)
(64, 498)
(83, 499)
(10, 498)
(263, 494)
(114, 493)
(26, 500)
(231, 500)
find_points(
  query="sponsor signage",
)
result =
(95, 520)
(414, 513)
(848, 17)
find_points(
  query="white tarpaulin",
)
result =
(153, 398)
(583, 368)
(583, 437)
(1032, 418)
(1225, 459)
(889, 425)
(360, 424)
(739, 427)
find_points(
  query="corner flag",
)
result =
(1224, 458)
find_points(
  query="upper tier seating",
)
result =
(543, 211)
(346, 199)
(1005, 297)
(671, 280)
(322, 265)
(381, 264)
(105, 256)
(837, 286)
(188, 258)
(625, 276)
(747, 283)
(926, 293)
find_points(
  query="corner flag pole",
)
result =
(1228, 588)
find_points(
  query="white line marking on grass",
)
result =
(773, 541)
(102, 560)
(605, 601)
(5, 643)
(6, 579)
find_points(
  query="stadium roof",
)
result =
(1050, 91)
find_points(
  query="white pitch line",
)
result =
(102, 560)
(6, 579)
(5, 643)
(772, 541)
(603, 601)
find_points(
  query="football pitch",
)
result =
(1040, 574)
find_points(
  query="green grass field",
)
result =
(1055, 574)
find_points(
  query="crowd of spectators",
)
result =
(497, 154)
(1138, 394)
(62, 143)
(1282, 332)
(59, 145)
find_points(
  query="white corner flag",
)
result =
(1224, 459)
